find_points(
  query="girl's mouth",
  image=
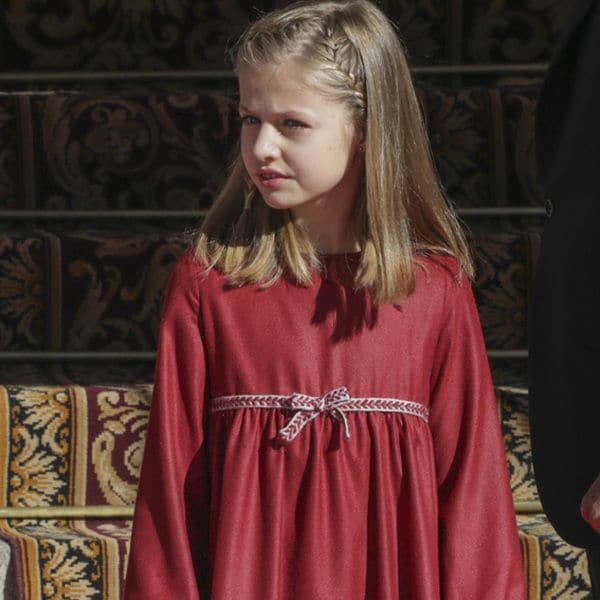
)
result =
(271, 179)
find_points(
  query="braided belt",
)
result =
(335, 403)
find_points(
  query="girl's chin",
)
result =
(273, 203)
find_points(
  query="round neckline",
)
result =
(354, 253)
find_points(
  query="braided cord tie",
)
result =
(335, 403)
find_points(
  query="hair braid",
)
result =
(345, 63)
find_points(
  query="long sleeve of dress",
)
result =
(169, 540)
(479, 547)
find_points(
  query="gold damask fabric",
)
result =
(74, 445)
(71, 446)
(74, 560)
(66, 560)
(553, 568)
(513, 412)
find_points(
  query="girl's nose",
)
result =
(266, 146)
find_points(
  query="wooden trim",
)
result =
(67, 512)
(228, 75)
(126, 512)
(507, 354)
(62, 215)
(83, 215)
(531, 507)
(49, 356)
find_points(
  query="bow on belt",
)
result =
(336, 403)
(309, 408)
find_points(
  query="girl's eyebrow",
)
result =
(290, 112)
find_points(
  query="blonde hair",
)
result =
(356, 58)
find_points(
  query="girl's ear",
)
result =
(360, 137)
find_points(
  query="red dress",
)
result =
(363, 503)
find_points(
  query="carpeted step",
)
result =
(95, 290)
(512, 408)
(66, 560)
(75, 560)
(74, 445)
(179, 35)
(71, 446)
(77, 446)
(150, 151)
(102, 290)
(554, 569)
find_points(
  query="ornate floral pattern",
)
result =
(163, 34)
(8, 152)
(512, 407)
(501, 288)
(456, 122)
(521, 177)
(116, 284)
(155, 151)
(72, 445)
(553, 569)
(21, 293)
(69, 560)
(169, 151)
(39, 466)
(118, 449)
(113, 35)
(111, 286)
(423, 28)
(510, 31)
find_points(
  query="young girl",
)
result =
(324, 425)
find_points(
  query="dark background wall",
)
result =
(116, 120)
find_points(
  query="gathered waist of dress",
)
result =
(335, 403)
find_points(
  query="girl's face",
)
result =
(299, 148)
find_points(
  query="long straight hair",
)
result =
(354, 55)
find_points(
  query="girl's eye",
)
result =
(249, 120)
(294, 124)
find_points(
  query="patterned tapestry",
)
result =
(73, 432)
(166, 34)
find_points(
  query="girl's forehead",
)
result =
(284, 83)
(289, 74)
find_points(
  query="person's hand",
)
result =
(590, 505)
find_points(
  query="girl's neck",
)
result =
(331, 238)
(330, 228)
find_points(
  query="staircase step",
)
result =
(95, 290)
(71, 446)
(512, 408)
(178, 35)
(170, 151)
(553, 568)
(71, 560)
(87, 559)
